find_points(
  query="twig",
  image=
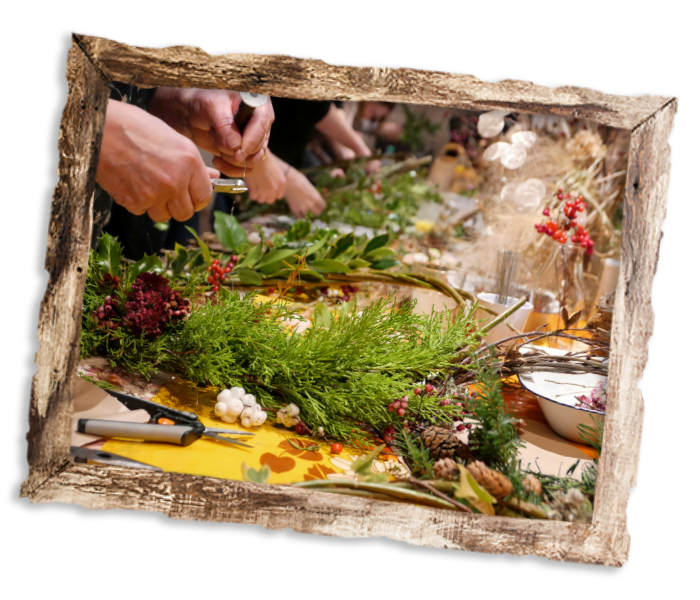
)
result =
(432, 490)
(502, 317)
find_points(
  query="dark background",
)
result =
(57, 527)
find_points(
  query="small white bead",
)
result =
(224, 396)
(220, 409)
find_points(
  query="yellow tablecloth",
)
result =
(271, 446)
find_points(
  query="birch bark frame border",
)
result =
(92, 62)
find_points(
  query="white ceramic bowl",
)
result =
(556, 393)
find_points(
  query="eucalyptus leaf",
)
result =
(379, 253)
(358, 263)
(342, 245)
(376, 242)
(384, 263)
(229, 231)
(278, 255)
(329, 265)
(206, 255)
(252, 257)
(249, 277)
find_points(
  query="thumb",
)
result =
(219, 112)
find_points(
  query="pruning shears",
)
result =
(166, 424)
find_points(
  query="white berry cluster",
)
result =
(235, 403)
(289, 415)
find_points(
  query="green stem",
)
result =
(484, 330)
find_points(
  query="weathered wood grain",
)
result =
(66, 261)
(92, 62)
(184, 66)
(633, 322)
(278, 507)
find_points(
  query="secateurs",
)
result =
(167, 425)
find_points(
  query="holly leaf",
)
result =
(249, 277)
(255, 476)
(109, 254)
(180, 260)
(469, 489)
(206, 255)
(385, 263)
(329, 265)
(147, 263)
(376, 242)
(229, 231)
(358, 263)
(323, 317)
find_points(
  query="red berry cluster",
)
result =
(388, 434)
(217, 273)
(399, 406)
(557, 230)
(106, 313)
(110, 281)
(301, 428)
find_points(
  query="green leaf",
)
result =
(274, 256)
(342, 245)
(469, 489)
(329, 265)
(299, 230)
(252, 257)
(385, 263)
(180, 260)
(162, 226)
(358, 263)
(322, 316)
(206, 255)
(255, 476)
(376, 242)
(311, 273)
(249, 277)
(109, 254)
(229, 231)
(380, 253)
(147, 263)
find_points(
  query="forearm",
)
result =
(336, 129)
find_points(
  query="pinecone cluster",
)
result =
(494, 482)
(572, 506)
(442, 443)
(446, 468)
(532, 485)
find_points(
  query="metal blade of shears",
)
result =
(221, 438)
(92, 456)
(228, 431)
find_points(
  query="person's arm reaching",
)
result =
(148, 167)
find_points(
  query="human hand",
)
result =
(301, 196)
(373, 166)
(267, 183)
(207, 118)
(147, 167)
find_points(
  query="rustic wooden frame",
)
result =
(52, 477)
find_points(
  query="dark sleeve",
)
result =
(293, 126)
(140, 97)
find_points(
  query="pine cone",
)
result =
(445, 468)
(441, 443)
(495, 483)
(532, 484)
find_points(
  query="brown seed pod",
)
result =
(494, 482)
